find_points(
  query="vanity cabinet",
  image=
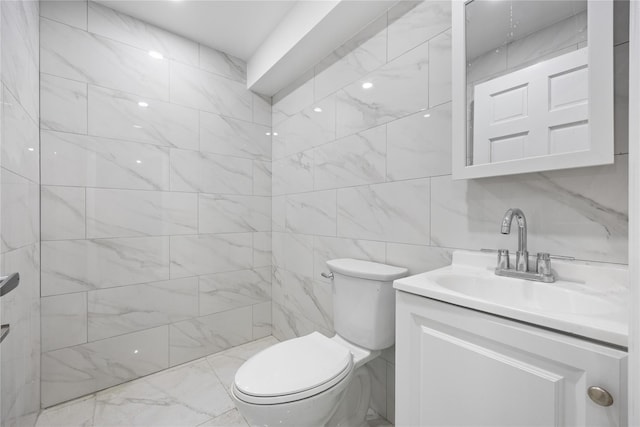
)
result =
(460, 367)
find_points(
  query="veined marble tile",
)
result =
(413, 22)
(293, 98)
(64, 321)
(621, 98)
(359, 56)
(205, 335)
(20, 56)
(226, 291)
(261, 110)
(558, 36)
(221, 63)
(310, 127)
(232, 137)
(129, 213)
(575, 212)
(262, 320)
(77, 413)
(184, 396)
(262, 249)
(210, 253)
(327, 248)
(206, 91)
(289, 324)
(75, 371)
(312, 213)
(76, 54)
(420, 145)
(124, 28)
(80, 160)
(63, 103)
(126, 309)
(219, 213)
(19, 221)
(418, 259)
(70, 12)
(63, 211)
(262, 175)
(115, 114)
(393, 212)
(440, 69)
(210, 173)
(310, 299)
(399, 89)
(82, 265)
(293, 174)
(20, 139)
(278, 213)
(231, 418)
(354, 160)
(298, 254)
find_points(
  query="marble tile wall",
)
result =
(156, 201)
(20, 212)
(366, 173)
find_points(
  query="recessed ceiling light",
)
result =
(268, 133)
(367, 85)
(138, 161)
(143, 104)
(427, 115)
(318, 110)
(275, 134)
(137, 126)
(155, 54)
(30, 149)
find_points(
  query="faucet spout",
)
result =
(522, 256)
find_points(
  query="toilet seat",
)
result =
(293, 370)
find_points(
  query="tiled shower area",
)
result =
(155, 201)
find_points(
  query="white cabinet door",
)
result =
(459, 367)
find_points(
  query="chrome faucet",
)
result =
(522, 256)
(542, 273)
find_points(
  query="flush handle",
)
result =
(327, 275)
(600, 396)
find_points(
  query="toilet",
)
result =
(314, 380)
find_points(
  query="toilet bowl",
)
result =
(319, 381)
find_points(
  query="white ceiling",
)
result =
(235, 27)
(491, 24)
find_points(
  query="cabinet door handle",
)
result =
(600, 396)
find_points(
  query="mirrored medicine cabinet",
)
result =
(532, 85)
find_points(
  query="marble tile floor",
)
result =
(192, 394)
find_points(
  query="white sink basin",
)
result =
(587, 300)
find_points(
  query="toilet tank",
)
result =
(364, 301)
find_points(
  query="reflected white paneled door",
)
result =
(539, 110)
(459, 367)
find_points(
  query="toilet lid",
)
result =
(294, 366)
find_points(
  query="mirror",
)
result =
(532, 86)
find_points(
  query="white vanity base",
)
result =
(460, 367)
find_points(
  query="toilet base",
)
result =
(352, 409)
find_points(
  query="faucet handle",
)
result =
(543, 263)
(503, 259)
